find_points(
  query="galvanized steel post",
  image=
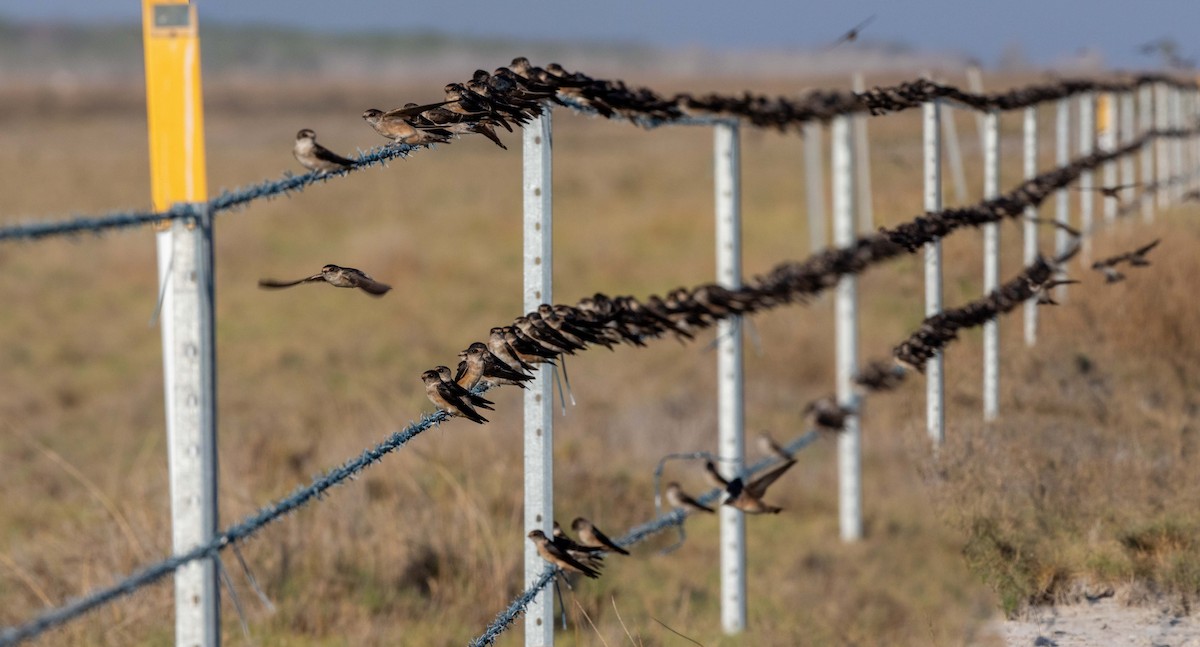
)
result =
(814, 186)
(1162, 121)
(1087, 139)
(1062, 200)
(730, 388)
(1177, 169)
(1127, 135)
(1031, 213)
(935, 385)
(1106, 118)
(1146, 121)
(991, 266)
(862, 164)
(537, 187)
(954, 152)
(846, 313)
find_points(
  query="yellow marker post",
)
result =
(176, 121)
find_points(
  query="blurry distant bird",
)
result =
(747, 497)
(1136, 258)
(559, 556)
(852, 35)
(1191, 196)
(316, 157)
(1113, 192)
(444, 398)
(826, 414)
(342, 277)
(590, 536)
(680, 499)
(1043, 291)
(768, 446)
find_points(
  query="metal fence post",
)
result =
(730, 389)
(954, 153)
(1127, 135)
(1146, 121)
(1031, 213)
(862, 164)
(814, 186)
(1162, 167)
(846, 313)
(935, 386)
(991, 266)
(1087, 139)
(1062, 199)
(1177, 170)
(539, 411)
(1106, 123)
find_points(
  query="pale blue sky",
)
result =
(1047, 30)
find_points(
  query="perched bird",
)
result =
(592, 557)
(446, 399)
(559, 556)
(768, 446)
(747, 497)
(501, 348)
(479, 364)
(473, 399)
(461, 124)
(590, 535)
(316, 157)
(680, 499)
(852, 35)
(826, 414)
(341, 277)
(399, 125)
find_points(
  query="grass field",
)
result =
(1088, 480)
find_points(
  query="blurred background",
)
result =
(1086, 482)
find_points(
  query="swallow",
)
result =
(316, 157)
(826, 414)
(544, 335)
(460, 124)
(852, 35)
(593, 557)
(558, 556)
(398, 125)
(591, 536)
(1136, 258)
(341, 277)
(768, 446)
(473, 399)
(528, 350)
(1043, 291)
(446, 399)
(501, 349)
(1113, 192)
(747, 497)
(680, 499)
(481, 365)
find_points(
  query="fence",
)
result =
(788, 283)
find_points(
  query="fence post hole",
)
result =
(1062, 199)
(1030, 229)
(846, 313)
(1162, 170)
(539, 401)
(1087, 138)
(1107, 116)
(730, 389)
(935, 387)
(991, 266)
(814, 185)
(862, 164)
(1146, 122)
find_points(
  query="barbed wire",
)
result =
(789, 282)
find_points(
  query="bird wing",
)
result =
(716, 475)
(272, 283)
(608, 543)
(758, 486)
(326, 155)
(361, 280)
(414, 110)
(1143, 250)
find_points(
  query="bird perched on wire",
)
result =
(447, 399)
(341, 277)
(316, 157)
(590, 536)
(559, 556)
(467, 396)
(852, 35)
(680, 499)
(591, 556)
(747, 497)
(400, 126)
(480, 365)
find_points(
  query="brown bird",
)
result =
(748, 497)
(680, 499)
(473, 399)
(446, 399)
(852, 35)
(590, 536)
(559, 556)
(316, 157)
(341, 277)
(592, 557)
(768, 446)
(479, 364)
(398, 125)
(825, 414)
(1044, 297)
(1136, 258)
(1113, 192)
(501, 348)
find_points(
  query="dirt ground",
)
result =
(1106, 621)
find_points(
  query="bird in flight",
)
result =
(747, 497)
(852, 35)
(340, 277)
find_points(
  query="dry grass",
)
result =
(1088, 474)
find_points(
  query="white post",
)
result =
(814, 186)
(935, 387)
(1031, 212)
(1108, 118)
(1162, 121)
(862, 163)
(1146, 119)
(1062, 200)
(539, 410)
(730, 403)
(192, 428)
(975, 85)
(1127, 135)
(1177, 170)
(1087, 139)
(845, 308)
(954, 152)
(991, 267)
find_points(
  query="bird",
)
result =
(1043, 291)
(592, 557)
(1136, 258)
(501, 349)
(559, 556)
(444, 398)
(680, 499)
(337, 276)
(1113, 192)
(316, 157)
(473, 399)
(1191, 196)
(747, 497)
(479, 364)
(398, 125)
(826, 414)
(767, 445)
(590, 536)
(852, 35)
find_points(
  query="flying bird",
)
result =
(1136, 258)
(852, 35)
(590, 536)
(680, 499)
(1113, 192)
(341, 277)
(559, 556)
(316, 157)
(445, 398)
(747, 497)
(768, 446)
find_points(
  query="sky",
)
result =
(1045, 30)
